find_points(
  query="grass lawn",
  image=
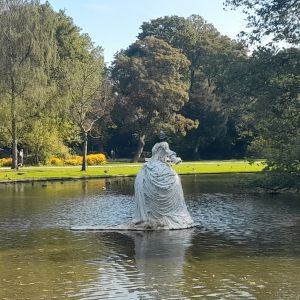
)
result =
(124, 169)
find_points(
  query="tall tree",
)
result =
(270, 80)
(27, 52)
(210, 54)
(151, 80)
(89, 94)
(276, 18)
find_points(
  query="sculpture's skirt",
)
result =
(159, 199)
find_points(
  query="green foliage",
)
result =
(27, 52)
(278, 19)
(85, 82)
(44, 140)
(276, 182)
(151, 79)
(269, 86)
(70, 42)
(210, 55)
(5, 136)
(89, 93)
(43, 55)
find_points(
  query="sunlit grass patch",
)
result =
(125, 169)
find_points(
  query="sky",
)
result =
(115, 24)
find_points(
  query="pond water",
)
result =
(246, 247)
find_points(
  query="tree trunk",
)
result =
(140, 148)
(196, 150)
(14, 130)
(101, 146)
(14, 153)
(85, 141)
(192, 81)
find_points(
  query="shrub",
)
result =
(55, 161)
(45, 142)
(5, 162)
(75, 160)
(96, 159)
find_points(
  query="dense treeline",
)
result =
(53, 82)
(212, 98)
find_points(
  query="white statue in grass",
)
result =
(158, 193)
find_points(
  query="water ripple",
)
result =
(247, 246)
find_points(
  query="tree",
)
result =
(278, 19)
(41, 55)
(268, 85)
(205, 106)
(276, 108)
(44, 139)
(151, 81)
(5, 137)
(89, 93)
(27, 53)
(210, 54)
(269, 80)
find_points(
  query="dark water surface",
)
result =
(247, 245)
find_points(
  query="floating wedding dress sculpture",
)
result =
(159, 200)
(158, 193)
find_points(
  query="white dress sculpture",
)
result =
(159, 200)
(158, 194)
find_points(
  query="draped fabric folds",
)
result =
(159, 198)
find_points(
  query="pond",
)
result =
(246, 247)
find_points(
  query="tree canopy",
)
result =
(28, 51)
(151, 81)
(276, 18)
(210, 54)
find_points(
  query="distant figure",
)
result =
(21, 158)
(112, 154)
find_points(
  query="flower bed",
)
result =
(92, 160)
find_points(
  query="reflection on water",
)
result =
(159, 256)
(247, 247)
(140, 265)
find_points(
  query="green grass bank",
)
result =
(124, 169)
